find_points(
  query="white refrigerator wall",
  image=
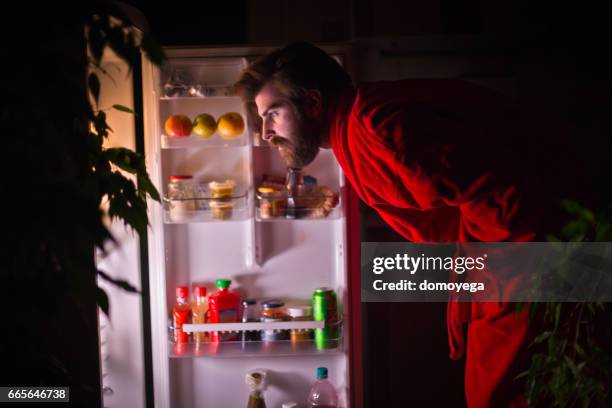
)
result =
(284, 259)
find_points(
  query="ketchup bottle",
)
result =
(224, 307)
(181, 314)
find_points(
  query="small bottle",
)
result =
(249, 315)
(255, 379)
(224, 307)
(294, 184)
(322, 394)
(181, 314)
(199, 308)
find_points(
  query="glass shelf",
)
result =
(195, 141)
(320, 203)
(206, 209)
(239, 348)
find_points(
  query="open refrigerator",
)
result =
(267, 254)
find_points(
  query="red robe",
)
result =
(448, 161)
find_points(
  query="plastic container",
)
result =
(221, 210)
(223, 189)
(182, 197)
(322, 394)
(224, 307)
(250, 315)
(272, 202)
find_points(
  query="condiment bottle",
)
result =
(224, 307)
(273, 311)
(199, 308)
(181, 314)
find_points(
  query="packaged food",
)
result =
(274, 311)
(224, 307)
(300, 314)
(181, 197)
(221, 189)
(221, 210)
(272, 202)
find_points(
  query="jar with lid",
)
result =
(297, 314)
(272, 202)
(249, 315)
(181, 197)
(274, 311)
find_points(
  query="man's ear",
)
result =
(313, 103)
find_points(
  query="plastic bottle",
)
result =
(181, 314)
(198, 311)
(322, 394)
(224, 307)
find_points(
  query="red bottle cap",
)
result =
(182, 292)
(180, 177)
(199, 291)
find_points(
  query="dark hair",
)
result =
(294, 69)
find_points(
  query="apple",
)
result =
(178, 126)
(204, 125)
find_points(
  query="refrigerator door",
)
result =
(121, 333)
(245, 237)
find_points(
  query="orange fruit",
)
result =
(178, 126)
(230, 125)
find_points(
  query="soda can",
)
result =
(325, 308)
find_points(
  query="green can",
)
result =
(325, 308)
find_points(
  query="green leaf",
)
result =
(571, 207)
(94, 86)
(123, 108)
(557, 315)
(96, 41)
(125, 159)
(542, 337)
(145, 184)
(102, 301)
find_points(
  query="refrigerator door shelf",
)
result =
(239, 348)
(205, 209)
(195, 141)
(215, 327)
(320, 203)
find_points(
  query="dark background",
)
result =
(556, 55)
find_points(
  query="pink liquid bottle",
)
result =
(322, 394)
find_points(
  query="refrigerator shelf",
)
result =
(205, 209)
(239, 349)
(195, 141)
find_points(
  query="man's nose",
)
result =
(266, 131)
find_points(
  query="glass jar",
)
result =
(181, 197)
(272, 202)
(300, 314)
(249, 315)
(274, 311)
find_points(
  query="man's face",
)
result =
(285, 126)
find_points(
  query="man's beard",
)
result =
(301, 153)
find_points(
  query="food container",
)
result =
(272, 202)
(223, 189)
(181, 197)
(221, 210)
(274, 311)
(297, 314)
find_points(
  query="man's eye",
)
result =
(271, 115)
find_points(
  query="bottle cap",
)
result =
(223, 283)
(180, 177)
(199, 291)
(249, 302)
(182, 292)
(299, 311)
(272, 303)
(321, 373)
